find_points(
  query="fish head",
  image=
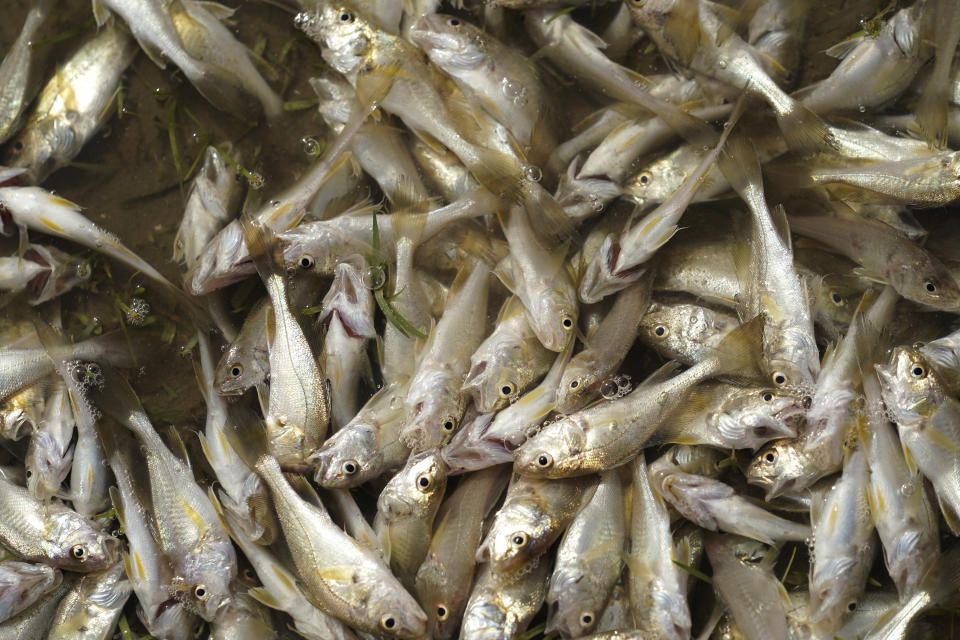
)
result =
(390, 609)
(73, 543)
(518, 534)
(911, 388)
(224, 261)
(351, 298)
(554, 451)
(449, 41)
(316, 247)
(203, 587)
(41, 149)
(578, 384)
(929, 282)
(434, 409)
(498, 376)
(243, 619)
(46, 465)
(752, 417)
(415, 488)
(777, 467)
(555, 319)
(242, 366)
(348, 458)
(833, 596)
(343, 34)
(437, 597)
(574, 602)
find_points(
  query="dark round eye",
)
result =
(442, 612)
(660, 331)
(851, 606)
(519, 539)
(200, 591)
(544, 460)
(575, 383)
(236, 370)
(645, 178)
(388, 622)
(508, 389)
(29, 473)
(836, 297)
(453, 22)
(306, 262)
(567, 322)
(779, 378)
(346, 17)
(349, 467)
(586, 619)
(78, 552)
(767, 396)
(18, 145)
(930, 286)
(770, 456)
(248, 574)
(424, 481)
(448, 424)
(917, 371)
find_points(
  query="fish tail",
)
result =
(803, 130)
(737, 354)
(931, 114)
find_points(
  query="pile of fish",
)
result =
(676, 359)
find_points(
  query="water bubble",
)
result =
(533, 172)
(256, 180)
(862, 109)
(609, 389)
(907, 489)
(375, 277)
(597, 203)
(137, 312)
(514, 91)
(722, 64)
(312, 146)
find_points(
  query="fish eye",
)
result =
(544, 461)
(349, 467)
(200, 592)
(836, 298)
(519, 539)
(388, 622)
(508, 389)
(586, 619)
(346, 17)
(660, 331)
(917, 371)
(767, 396)
(18, 145)
(249, 575)
(236, 370)
(645, 178)
(29, 474)
(567, 322)
(930, 286)
(306, 262)
(852, 606)
(424, 481)
(575, 383)
(453, 22)
(449, 424)
(78, 552)
(779, 378)
(442, 612)
(770, 456)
